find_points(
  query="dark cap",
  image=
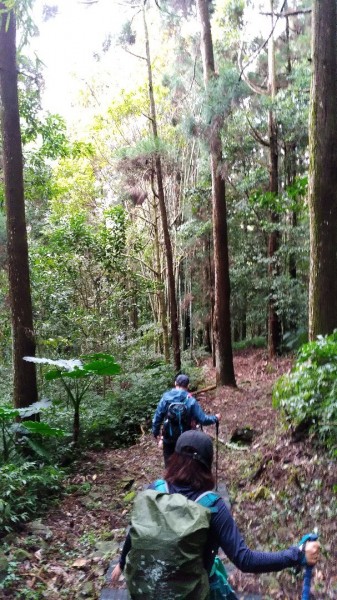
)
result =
(182, 380)
(196, 444)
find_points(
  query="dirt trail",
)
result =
(279, 490)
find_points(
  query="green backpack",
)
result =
(168, 536)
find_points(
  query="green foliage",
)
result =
(97, 364)
(250, 225)
(25, 491)
(129, 408)
(293, 340)
(297, 190)
(16, 435)
(223, 91)
(24, 19)
(309, 392)
(111, 240)
(127, 36)
(7, 415)
(77, 376)
(268, 200)
(86, 290)
(54, 138)
(50, 133)
(256, 342)
(291, 200)
(145, 149)
(91, 202)
(292, 108)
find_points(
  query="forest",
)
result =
(182, 220)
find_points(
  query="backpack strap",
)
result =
(160, 485)
(208, 500)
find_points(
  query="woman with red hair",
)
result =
(189, 472)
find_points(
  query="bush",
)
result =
(293, 340)
(125, 410)
(119, 419)
(309, 391)
(25, 491)
(255, 342)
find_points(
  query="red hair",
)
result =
(185, 470)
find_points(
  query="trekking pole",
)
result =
(310, 537)
(216, 452)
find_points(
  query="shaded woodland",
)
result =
(188, 214)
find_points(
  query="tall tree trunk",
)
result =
(274, 322)
(185, 303)
(290, 173)
(24, 373)
(163, 213)
(323, 172)
(160, 290)
(209, 295)
(290, 170)
(222, 323)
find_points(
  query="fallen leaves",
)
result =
(81, 563)
(271, 487)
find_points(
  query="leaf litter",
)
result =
(278, 489)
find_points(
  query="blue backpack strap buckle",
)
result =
(208, 500)
(160, 485)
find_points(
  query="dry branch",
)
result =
(206, 389)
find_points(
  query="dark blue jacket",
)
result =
(224, 533)
(194, 408)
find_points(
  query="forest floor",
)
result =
(279, 490)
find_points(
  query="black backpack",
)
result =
(177, 420)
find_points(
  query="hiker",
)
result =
(178, 411)
(147, 551)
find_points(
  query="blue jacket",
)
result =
(194, 408)
(224, 533)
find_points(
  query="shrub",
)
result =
(309, 391)
(25, 491)
(129, 408)
(255, 342)
(77, 376)
(26, 436)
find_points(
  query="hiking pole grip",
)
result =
(306, 583)
(311, 537)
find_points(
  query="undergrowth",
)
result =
(309, 392)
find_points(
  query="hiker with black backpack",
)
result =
(178, 411)
(177, 527)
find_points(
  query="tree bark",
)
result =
(222, 322)
(160, 287)
(274, 322)
(323, 172)
(23, 339)
(76, 424)
(173, 308)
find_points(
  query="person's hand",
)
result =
(116, 573)
(312, 552)
(218, 416)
